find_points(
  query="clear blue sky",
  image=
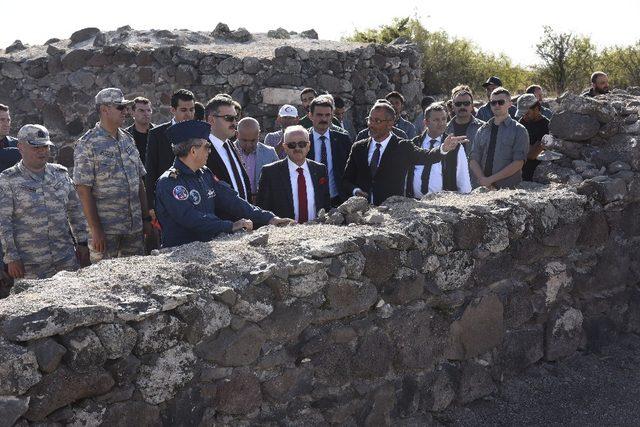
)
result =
(498, 26)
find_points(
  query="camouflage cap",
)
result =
(525, 102)
(111, 95)
(37, 135)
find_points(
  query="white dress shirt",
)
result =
(311, 195)
(435, 176)
(317, 154)
(218, 146)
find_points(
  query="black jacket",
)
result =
(340, 146)
(276, 194)
(217, 166)
(159, 158)
(399, 156)
(449, 167)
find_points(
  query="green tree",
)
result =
(622, 63)
(567, 60)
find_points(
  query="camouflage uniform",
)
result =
(40, 217)
(112, 168)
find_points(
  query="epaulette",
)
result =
(58, 167)
(173, 173)
(12, 171)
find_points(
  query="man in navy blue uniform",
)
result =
(190, 200)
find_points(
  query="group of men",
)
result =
(205, 172)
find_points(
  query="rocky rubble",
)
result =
(431, 304)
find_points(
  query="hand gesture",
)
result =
(242, 224)
(281, 222)
(451, 142)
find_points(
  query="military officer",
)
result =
(108, 175)
(42, 227)
(190, 200)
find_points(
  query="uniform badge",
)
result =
(211, 193)
(195, 197)
(180, 193)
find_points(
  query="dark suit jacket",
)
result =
(340, 146)
(276, 194)
(159, 158)
(217, 166)
(399, 156)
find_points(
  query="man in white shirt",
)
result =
(294, 187)
(224, 162)
(451, 173)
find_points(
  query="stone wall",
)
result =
(422, 305)
(55, 84)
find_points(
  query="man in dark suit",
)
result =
(451, 173)
(378, 166)
(221, 113)
(159, 156)
(328, 146)
(294, 187)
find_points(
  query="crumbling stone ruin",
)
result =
(371, 315)
(55, 84)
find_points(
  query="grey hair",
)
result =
(294, 128)
(182, 149)
(384, 106)
(248, 121)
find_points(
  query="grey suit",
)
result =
(264, 156)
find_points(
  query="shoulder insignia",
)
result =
(173, 173)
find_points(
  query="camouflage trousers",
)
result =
(119, 245)
(44, 271)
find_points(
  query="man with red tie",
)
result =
(294, 187)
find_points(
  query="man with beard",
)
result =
(599, 84)
(463, 122)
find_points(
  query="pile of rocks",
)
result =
(397, 319)
(599, 139)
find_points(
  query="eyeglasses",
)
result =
(498, 102)
(228, 117)
(461, 103)
(300, 144)
(377, 121)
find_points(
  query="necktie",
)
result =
(426, 172)
(303, 214)
(323, 150)
(236, 173)
(375, 159)
(491, 151)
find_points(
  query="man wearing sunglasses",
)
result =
(500, 147)
(295, 187)
(486, 112)
(224, 162)
(108, 174)
(463, 122)
(191, 203)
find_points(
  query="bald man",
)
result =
(253, 154)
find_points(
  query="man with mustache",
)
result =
(192, 204)
(328, 146)
(599, 84)
(295, 187)
(224, 162)
(108, 174)
(463, 122)
(42, 227)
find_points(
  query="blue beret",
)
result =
(188, 129)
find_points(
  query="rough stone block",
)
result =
(84, 350)
(239, 394)
(12, 408)
(158, 333)
(161, 377)
(480, 328)
(48, 353)
(117, 339)
(563, 333)
(280, 96)
(232, 348)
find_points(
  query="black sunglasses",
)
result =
(300, 144)
(498, 102)
(461, 103)
(228, 117)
